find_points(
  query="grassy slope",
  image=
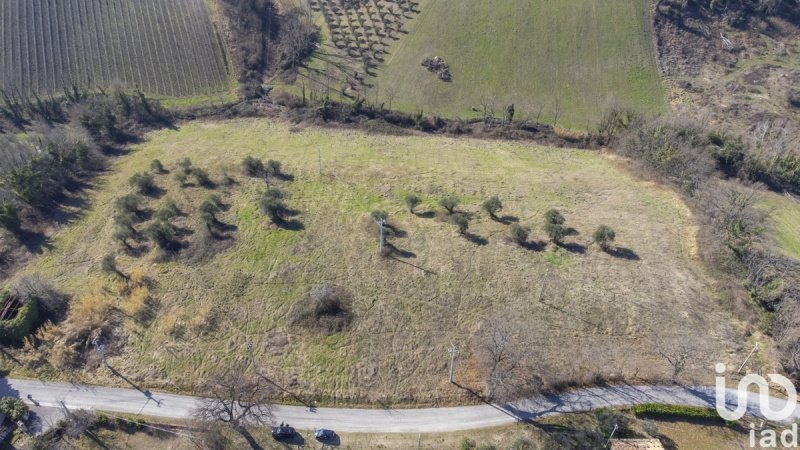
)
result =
(786, 222)
(533, 53)
(605, 313)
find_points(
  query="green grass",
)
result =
(541, 55)
(785, 212)
(410, 309)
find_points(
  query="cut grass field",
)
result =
(598, 315)
(785, 212)
(565, 58)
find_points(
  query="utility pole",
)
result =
(748, 358)
(250, 353)
(453, 353)
(100, 347)
(381, 224)
(612, 434)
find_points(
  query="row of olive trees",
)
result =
(554, 221)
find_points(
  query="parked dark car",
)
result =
(324, 435)
(283, 432)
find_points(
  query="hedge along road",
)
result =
(45, 394)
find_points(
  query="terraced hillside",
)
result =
(164, 47)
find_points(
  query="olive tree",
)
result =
(492, 206)
(461, 222)
(412, 201)
(449, 203)
(604, 236)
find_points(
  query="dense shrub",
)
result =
(143, 182)
(128, 204)
(13, 408)
(326, 309)
(162, 233)
(9, 217)
(676, 411)
(252, 167)
(201, 177)
(12, 331)
(169, 211)
(554, 217)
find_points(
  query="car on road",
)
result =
(324, 435)
(283, 432)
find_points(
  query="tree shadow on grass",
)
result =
(507, 220)
(34, 241)
(534, 246)
(574, 247)
(475, 239)
(292, 225)
(393, 250)
(624, 253)
(426, 214)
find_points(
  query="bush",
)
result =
(412, 201)
(52, 304)
(553, 216)
(208, 211)
(460, 221)
(273, 168)
(519, 233)
(676, 411)
(522, 443)
(492, 206)
(162, 233)
(252, 167)
(467, 444)
(326, 309)
(109, 264)
(379, 215)
(128, 204)
(449, 203)
(272, 205)
(13, 408)
(604, 236)
(181, 178)
(201, 177)
(143, 182)
(14, 330)
(169, 211)
(793, 97)
(556, 232)
(186, 166)
(9, 217)
(156, 166)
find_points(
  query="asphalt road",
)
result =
(50, 396)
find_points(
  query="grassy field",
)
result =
(548, 58)
(166, 48)
(598, 315)
(785, 213)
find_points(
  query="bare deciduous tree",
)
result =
(509, 359)
(236, 396)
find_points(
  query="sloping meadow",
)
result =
(581, 313)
